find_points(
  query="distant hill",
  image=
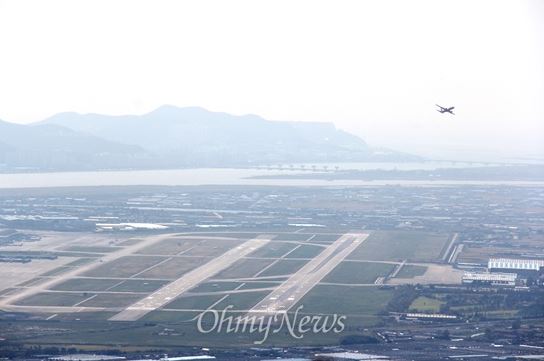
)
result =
(171, 137)
(52, 147)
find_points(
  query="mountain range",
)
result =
(171, 137)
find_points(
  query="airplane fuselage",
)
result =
(443, 110)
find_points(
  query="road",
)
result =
(295, 287)
(189, 280)
(448, 250)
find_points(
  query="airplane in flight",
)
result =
(445, 110)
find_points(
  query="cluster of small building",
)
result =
(506, 272)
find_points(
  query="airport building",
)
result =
(430, 316)
(493, 279)
(86, 357)
(523, 266)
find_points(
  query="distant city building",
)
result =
(515, 265)
(494, 279)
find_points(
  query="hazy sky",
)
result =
(375, 68)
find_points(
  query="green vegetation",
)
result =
(244, 268)
(129, 242)
(174, 267)
(292, 237)
(79, 262)
(358, 272)
(124, 266)
(212, 247)
(345, 300)
(241, 301)
(284, 267)
(426, 304)
(402, 299)
(215, 286)
(410, 271)
(85, 284)
(112, 300)
(138, 286)
(193, 302)
(170, 317)
(169, 247)
(56, 271)
(53, 299)
(255, 285)
(413, 246)
(273, 250)
(325, 238)
(94, 249)
(30, 282)
(305, 251)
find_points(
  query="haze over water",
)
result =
(218, 176)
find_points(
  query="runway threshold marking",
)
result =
(189, 280)
(300, 283)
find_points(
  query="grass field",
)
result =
(79, 262)
(124, 266)
(305, 251)
(215, 286)
(358, 272)
(413, 246)
(325, 238)
(173, 268)
(193, 302)
(56, 271)
(138, 286)
(283, 267)
(273, 250)
(426, 304)
(411, 271)
(345, 300)
(53, 299)
(212, 247)
(171, 317)
(170, 247)
(85, 284)
(292, 237)
(244, 268)
(32, 282)
(123, 281)
(95, 249)
(256, 285)
(129, 242)
(112, 300)
(241, 301)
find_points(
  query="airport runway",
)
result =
(172, 290)
(295, 287)
(77, 271)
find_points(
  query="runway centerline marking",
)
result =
(189, 280)
(300, 283)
